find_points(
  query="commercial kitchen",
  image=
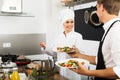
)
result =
(26, 23)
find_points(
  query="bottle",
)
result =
(34, 73)
(5, 75)
(30, 77)
(15, 75)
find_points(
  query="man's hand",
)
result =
(81, 69)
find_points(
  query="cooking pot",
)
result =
(8, 66)
(13, 58)
(20, 62)
(9, 57)
(90, 17)
(47, 68)
(45, 64)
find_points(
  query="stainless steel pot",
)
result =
(8, 66)
(45, 64)
(8, 57)
(46, 69)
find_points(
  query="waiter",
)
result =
(108, 58)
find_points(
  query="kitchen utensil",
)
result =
(20, 62)
(90, 17)
(8, 66)
(10, 57)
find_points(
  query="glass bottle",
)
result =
(15, 75)
(6, 75)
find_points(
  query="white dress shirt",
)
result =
(111, 46)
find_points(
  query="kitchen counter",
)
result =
(57, 76)
(54, 76)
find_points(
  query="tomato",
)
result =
(69, 65)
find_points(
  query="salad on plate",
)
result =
(66, 49)
(71, 63)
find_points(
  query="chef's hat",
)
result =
(66, 14)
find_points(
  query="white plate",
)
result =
(76, 59)
(71, 51)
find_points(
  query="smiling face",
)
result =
(68, 25)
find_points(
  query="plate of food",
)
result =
(66, 49)
(71, 63)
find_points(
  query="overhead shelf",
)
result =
(78, 2)
(16, 14)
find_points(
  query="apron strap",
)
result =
(101, 63)
(109, 30)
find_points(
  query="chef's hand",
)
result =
(81, 69)
(43, 45)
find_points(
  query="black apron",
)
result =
(100, 59)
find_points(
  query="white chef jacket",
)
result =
(111, 46)
(71, 39)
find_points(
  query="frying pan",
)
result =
(13, 58)
(20, 62)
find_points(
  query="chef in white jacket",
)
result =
(68, 38)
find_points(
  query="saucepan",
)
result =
(46, 64)
(8, 66)
(9, 57)
(16, 59)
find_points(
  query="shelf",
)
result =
(78, 2)
(16, 14)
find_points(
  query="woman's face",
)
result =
(68, 25)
